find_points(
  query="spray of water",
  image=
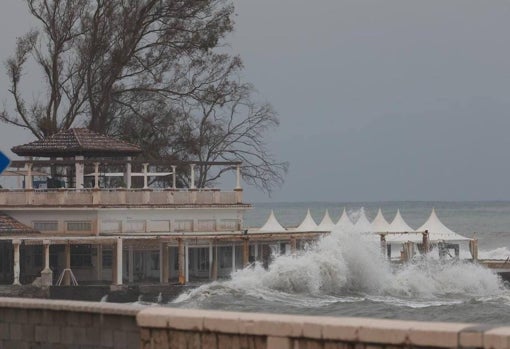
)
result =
(501, 253)
(349, 267)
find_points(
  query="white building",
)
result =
(89, 207)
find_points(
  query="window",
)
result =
(230, 224)
(225, 256)
(38, 256)
(135, 227)
(110, 226)
(81, 256)
(79, 226)
(174, 251)
(203, 259)
(46, 226)
(184, 225)
(159, 226)
(154, 261)
(206, 225)
(107, 258)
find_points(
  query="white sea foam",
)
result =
(501, 253)
(413, 303)
(349, 267)
(429, 278)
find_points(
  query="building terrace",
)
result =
(100, 194)
(88, 169)
(96, 212)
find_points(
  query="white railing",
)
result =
(114, 197)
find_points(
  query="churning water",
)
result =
(344, 274)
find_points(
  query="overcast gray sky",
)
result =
(378, 100)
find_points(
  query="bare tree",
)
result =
(227, 124)
(53, 50)
(147, 47)
(149, 71)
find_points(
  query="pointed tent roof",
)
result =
(398, 225)
(438, 231)
(380, 224)
(272, 225)
(326, 223)
(344, 222)
(308, 224)
(11, 227)
(77, 141)
(363, 225)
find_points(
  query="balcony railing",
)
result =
(118, 197)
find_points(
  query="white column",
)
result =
(192, 175)
(96, 175)
(46, 273)
(79, 172)
(131, 261)
(46, 245)
(119, 262)
(186, 263)
(16, 269)
(127, 174)
(174, 181)
(233, 257)
(214, 273)
(145, 185)
(28, 178)
(181, 250)
(238, 177)
(67, 275)
(256, 253)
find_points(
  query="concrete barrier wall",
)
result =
(38, 323)
(179, 328)
(30, 323)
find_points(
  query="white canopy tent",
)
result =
(438, 231)
(406, 233)
(272, 225)
(326, 223)
(380, 224)
(363, 225)
(308, 224)
(344, 224)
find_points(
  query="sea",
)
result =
(344, 274)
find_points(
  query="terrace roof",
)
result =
(9, 226)
(77, 141)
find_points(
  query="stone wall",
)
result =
(29, 323)
(179, 328)
(34, 323)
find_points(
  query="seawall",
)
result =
(36, 323)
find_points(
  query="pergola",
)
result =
(80, 147)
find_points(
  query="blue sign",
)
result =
(4, 162)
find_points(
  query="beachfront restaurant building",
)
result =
(87, 209)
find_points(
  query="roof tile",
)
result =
(77, 141)
(10, 226)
